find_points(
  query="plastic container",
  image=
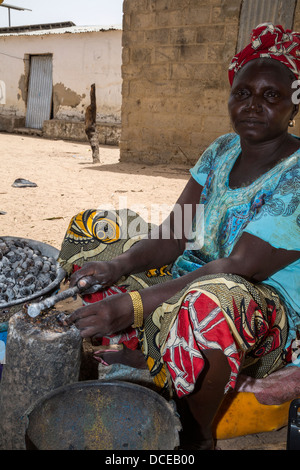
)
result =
(3, 339)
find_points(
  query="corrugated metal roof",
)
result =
(70, 30)
(36, 27)
(254, 12)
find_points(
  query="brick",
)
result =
(193, 53)
(171, 105)
(227, 12)
(133, 38)
(189, 89)
(166, 54)
(157, 73)
(204, 75)
(196, 16)
(145, 89)
(135, 6)
(223, 126)
(219, 53)
(214, 33)
(157, 36)
(126, 26)
(141, 55)
(142, 21)
(169, 19)
(175, 121)
(125, 56)
(230, 38)
(182, 35)
(159, 5)
(186, 71)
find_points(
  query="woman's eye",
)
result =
(241, 94)
(272, 94)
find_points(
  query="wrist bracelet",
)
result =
(138, 309)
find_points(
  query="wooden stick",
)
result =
(90, 125)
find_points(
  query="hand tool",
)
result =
(35, 309)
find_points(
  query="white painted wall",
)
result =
(81, 56)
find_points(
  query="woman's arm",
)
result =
(252, 258)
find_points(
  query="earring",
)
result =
(292, 123)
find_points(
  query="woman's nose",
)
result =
(254, 104)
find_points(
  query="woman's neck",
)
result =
(270, 152)
(257, 159)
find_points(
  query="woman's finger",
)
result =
(80, 313)
(75, 278)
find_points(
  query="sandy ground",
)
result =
(68, 182)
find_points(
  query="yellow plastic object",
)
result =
(241, 414)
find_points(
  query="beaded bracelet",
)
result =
(138, 309)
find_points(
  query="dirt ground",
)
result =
(67, 183)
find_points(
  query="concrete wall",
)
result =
(79, 59)
(175, 87)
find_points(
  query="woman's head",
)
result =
(260, 102)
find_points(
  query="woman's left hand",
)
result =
(108, 316)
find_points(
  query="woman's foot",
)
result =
(134, 358)
(196, 444)
(191, 436)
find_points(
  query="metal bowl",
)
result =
(96, 415)
(45, 250)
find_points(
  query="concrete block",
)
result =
(9, 123)
(109, 133)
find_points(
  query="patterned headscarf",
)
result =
(269, 41)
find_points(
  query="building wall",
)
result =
(79, 60)
(175, 83)
(296, 129)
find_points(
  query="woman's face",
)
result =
(260, 103)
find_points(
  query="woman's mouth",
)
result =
(251, 121)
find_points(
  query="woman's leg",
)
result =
(126, 356)
(199, 408)
(202, 360)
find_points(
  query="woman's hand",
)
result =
(105, 273)
(110, 315)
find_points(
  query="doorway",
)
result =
(39, 102)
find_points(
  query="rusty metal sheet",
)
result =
(39, 92)
(254, 12)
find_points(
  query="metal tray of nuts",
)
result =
(34, 264)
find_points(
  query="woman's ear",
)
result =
(295, 111)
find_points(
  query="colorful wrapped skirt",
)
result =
(246, 321)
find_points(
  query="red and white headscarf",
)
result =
(270, 41)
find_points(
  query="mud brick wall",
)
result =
(175, 87)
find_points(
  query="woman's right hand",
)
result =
(105, 273)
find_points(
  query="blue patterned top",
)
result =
(268, 208)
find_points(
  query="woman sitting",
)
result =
(232, 304)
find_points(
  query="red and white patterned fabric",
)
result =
(200, 325)
(270, 41)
